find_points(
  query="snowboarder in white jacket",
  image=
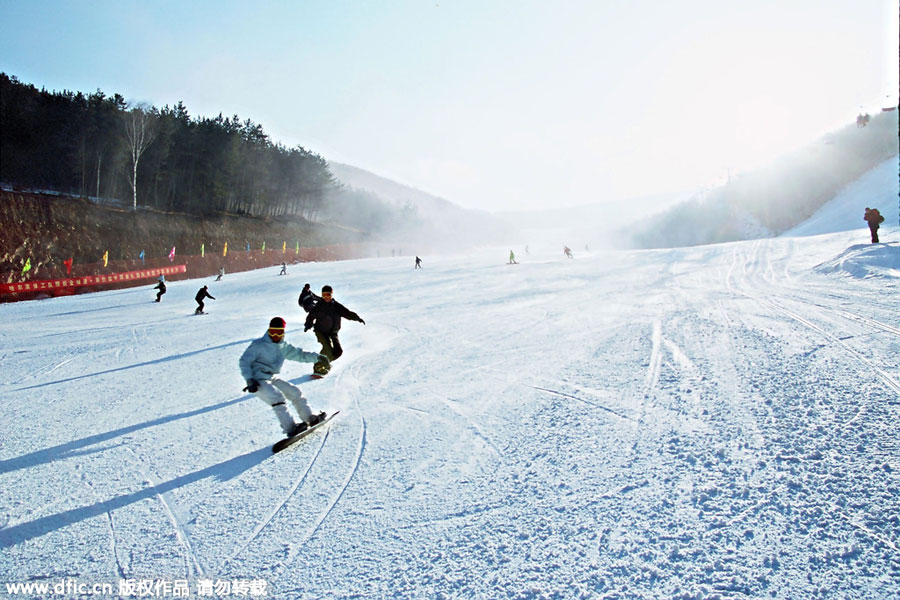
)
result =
(260, 364)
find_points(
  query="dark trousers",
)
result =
(874, 230)
(159, 295)
(199, 306)
(331, 350)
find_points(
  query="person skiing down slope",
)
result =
(161, 286)
(260, 364)
(326, 316)
(201, 295)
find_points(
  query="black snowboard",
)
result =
(278, 447)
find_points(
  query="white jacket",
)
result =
(263, 358)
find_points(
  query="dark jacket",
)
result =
(203, 293)
(307, 299)
(874, 218)
(161, 287)
(327, 316)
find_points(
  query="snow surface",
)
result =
(709, 422)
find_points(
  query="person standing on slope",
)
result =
(418, 263)
(326, 317)
(874, 219)
(202, 293)
(260, 364)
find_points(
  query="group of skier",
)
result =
(202, 294)
(261, 362)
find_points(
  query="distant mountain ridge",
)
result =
(395, 211)
(385, 188)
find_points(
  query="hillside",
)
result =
(404, 214)
(772, 200)
(48, 229)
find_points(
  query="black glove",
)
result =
(307, 328)
(252, 386)
(361, 321)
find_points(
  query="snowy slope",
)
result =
(709, 422)
(877, 189)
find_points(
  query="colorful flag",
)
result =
(68, 264)
(297, 249)
(202, 250)
(225, 250)
(172, 255)
(141, 256)
(264, 248)
(27, 266)
(284, 247)
(106, 258)
(248, 247)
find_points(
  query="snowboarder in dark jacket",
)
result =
(874, 218)
(161, 286)
(326, 318)
(203, 293)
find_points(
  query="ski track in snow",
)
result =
(192, 566)
(704, 422)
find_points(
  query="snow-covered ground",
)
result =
(709, 422)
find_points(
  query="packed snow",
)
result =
(707, 422)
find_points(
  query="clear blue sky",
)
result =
(490, 104)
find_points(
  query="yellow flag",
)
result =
(225, 250)
(27, 266)
(106, 258)
(202, 250)
(284, 247)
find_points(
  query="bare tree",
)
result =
(140, 131)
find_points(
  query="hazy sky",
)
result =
(490, 104)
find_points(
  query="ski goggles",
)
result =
(326, 294)
(276, 332)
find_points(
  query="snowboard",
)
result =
(279, 446)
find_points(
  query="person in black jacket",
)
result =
(326, 317)
(203, 293)
(874, 219)
(161, 286)
(307, 299)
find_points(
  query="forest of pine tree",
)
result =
(99, 146)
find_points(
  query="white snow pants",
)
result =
(275, 392)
